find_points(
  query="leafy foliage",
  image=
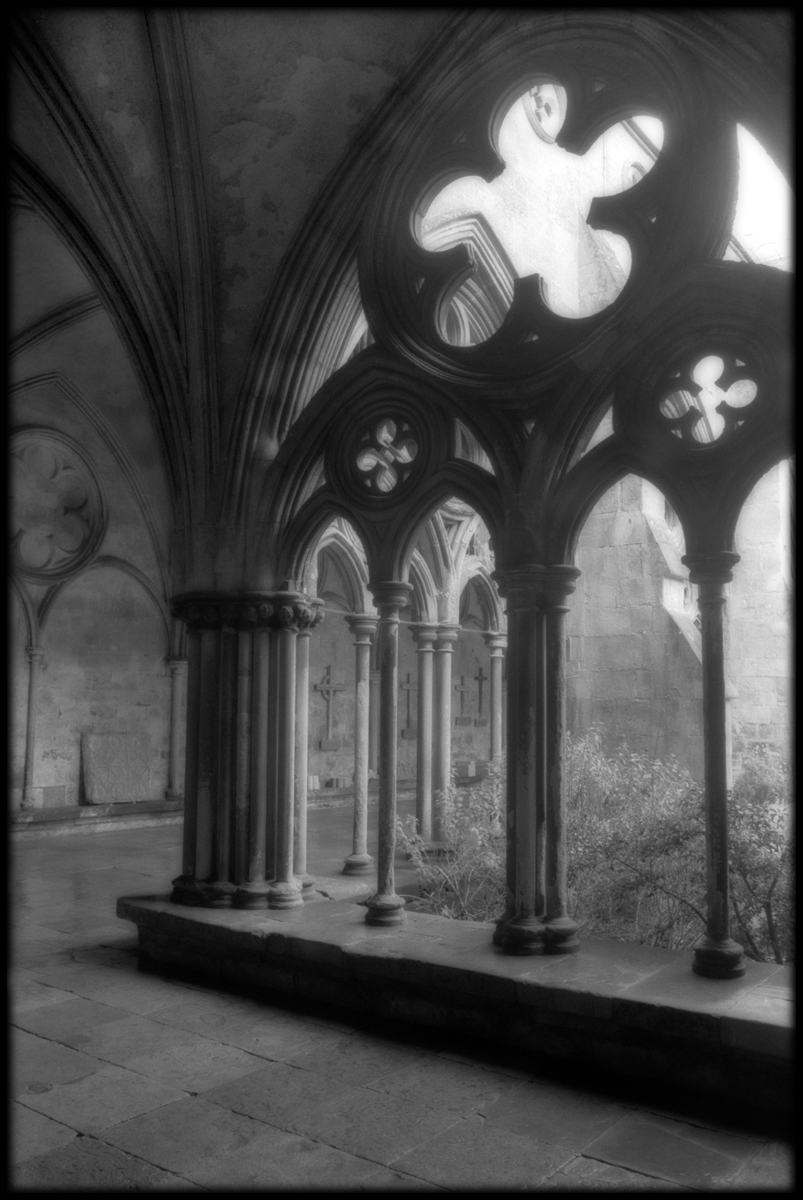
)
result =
(635, 835)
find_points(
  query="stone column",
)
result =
(228, 845)
(290, 615)
(34, 654)
(425, 636)
(363, 626)
(521, 930)
(178, 683)
(442, 735)
(385, 907)
(373, 724)
(716, 955)
(561, 930)
(496, 643)
(302, 751)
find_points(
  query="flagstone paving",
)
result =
(123, 1079)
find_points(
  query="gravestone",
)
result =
(116, 768)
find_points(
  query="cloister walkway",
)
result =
(131, 1080)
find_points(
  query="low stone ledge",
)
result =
(626, 1010)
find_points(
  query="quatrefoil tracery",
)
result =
(708, 402)
(386, 456)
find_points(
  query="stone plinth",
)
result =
(621, 1009)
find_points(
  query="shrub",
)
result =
(635, 833)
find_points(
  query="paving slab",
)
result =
(279, 1094)
(373, 1126)
(104, 1098)
(182, 1136)
(130, 1037)
(773, 1168)
(553, 1114)
(259, 1032)
(32, 994)
(450, 1086)
(39, 1064)
(588, 1175)
(283, 1161)
(87, 1165)
(32, 1134)
(196, 1067)
(470, 1155)
(357, 1060)
(674, 1151)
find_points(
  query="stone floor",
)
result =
(126, 1080)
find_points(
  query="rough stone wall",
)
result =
(760, 617)
(104, 672)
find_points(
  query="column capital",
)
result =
(363, 626)
(34, 654)
(392, 593)
(447, 635)
(247, 611)
(520, 585)
(178, 666)
(496, 643)
(558, 583)
(424, 636)
(715, 567)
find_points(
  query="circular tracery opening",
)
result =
(386, 457)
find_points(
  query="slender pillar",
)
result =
(561, 930)
(373, 724)
(521, 930)
(425, 636)
(496, 643)
(35, 655)
(222, 894)
(716, 955)
(178, 683)
(360, 862)
(385, 907)
(442, 737)
(302, 762)
(290, 616)
(242, 766)
(253, 892)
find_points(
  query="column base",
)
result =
(520, 935)
(358, 864)
(307, 884)
(719, 959)
(285, 895)
(219, 895)
(187, 891)
(251, 895)
(385, 910)
(561, 936)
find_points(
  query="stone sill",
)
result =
(618, 1008)
(37, 822)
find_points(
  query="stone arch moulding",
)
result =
(682, 210)
(352, 564)
(116, 448)
(118, 564)
(59, 516)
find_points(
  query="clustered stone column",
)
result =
(363, 626)
(716, 955)
(178, 681)
(424, 636)
(240, 795)
(385, 907)
(302, 760)
(442, 741)
(536, 920)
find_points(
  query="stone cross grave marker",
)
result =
(409, 730)
(481, 679)
(329, 689)
(462, 687)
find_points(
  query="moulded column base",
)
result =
(358, 864)
(719, 959)
(561, 936)
(520, 935)
(285, 895)
(385, 910)
(187, 891)
(219, 895)
(252, 895)
(307, 883)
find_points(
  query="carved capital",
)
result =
(247, 611)
(363, 626)
(35, 654)
(559, 582)
(424, 636)
(521, 586)
(447, 636)
(392, 594)
(496, 643)
(715, 567)
(178, 666)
